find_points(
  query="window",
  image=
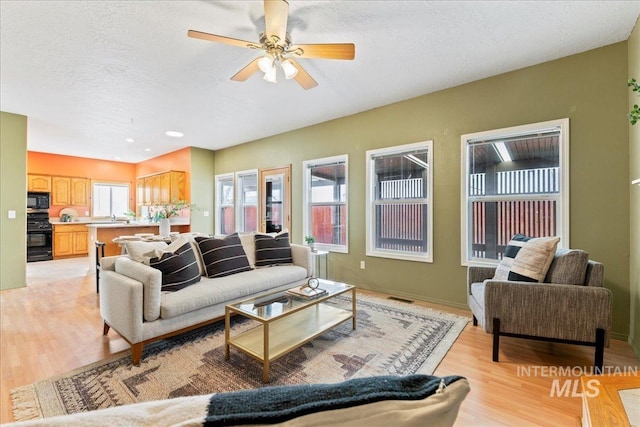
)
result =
(325, 202)
(225, 216)
(110, 199)
(247, 201)
(514, 180)
(399, 200)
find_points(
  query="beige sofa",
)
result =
(133, 304)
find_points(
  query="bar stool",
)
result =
(99, 256)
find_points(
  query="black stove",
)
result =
(39, 236)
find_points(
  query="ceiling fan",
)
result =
(278, 48)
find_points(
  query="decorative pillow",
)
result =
(533, 259)
(569, 267)
(510, 252)
(137, 250)
(249, 245)
(179, 268)
(223, 257)
(273, 250)
(411, 400)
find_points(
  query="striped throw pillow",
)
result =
(179, 268)
(533, 259)
(223, 257)
(510, 252)
(273, 250)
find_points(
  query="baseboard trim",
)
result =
(635, 346)
(413, 297)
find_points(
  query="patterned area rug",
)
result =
(391, 338)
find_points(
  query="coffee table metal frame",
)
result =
(285, 325)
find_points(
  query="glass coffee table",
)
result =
(286, 322)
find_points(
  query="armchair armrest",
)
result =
(568, 312)
(477, 274)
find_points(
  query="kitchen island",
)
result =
(106, 232)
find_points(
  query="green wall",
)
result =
(634, 213)
(202, 189)
(13, 178)
(588, 88)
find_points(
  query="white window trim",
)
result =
(306, 188)
(238, 194)
(370, 189)
(111, 184)
(564, 172)
(218, 219)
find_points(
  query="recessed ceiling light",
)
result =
(130, 140)
(116, 158)
(147, 149)
(174, 133)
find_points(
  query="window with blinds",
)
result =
(515, 180)
(399, 199)
(325, 195)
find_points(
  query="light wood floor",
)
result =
(53, 326)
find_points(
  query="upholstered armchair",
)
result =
(570, 306)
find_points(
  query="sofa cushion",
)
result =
(510, 252)
(533, 259)
(222, 257)
(569, 267)
(179, 267)
(273, 250)
(477, 292)
(224, 290)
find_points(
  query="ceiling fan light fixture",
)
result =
(270, 75)
(265, 63)
(290, 71)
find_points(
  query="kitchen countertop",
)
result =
(127, 225)
(101, 223)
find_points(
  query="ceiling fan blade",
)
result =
(303, 78)
(275, 19)
(248, 71)
(222, 39)
(326, 51)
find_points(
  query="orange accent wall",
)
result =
(94, 169)
(56, 164)
(179, 160)
(106, 170)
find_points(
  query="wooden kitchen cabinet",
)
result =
(70, 240)
(80, 191)
(60, 191)
(69, 191)
(39, 183)
(161, 188)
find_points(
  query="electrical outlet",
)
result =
(205, 213)
(362, 265)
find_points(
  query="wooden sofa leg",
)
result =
(599, 357)
(475, 321)
(136, 352)
(105, 328)
(496, 338)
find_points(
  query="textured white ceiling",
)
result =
(90, 74)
